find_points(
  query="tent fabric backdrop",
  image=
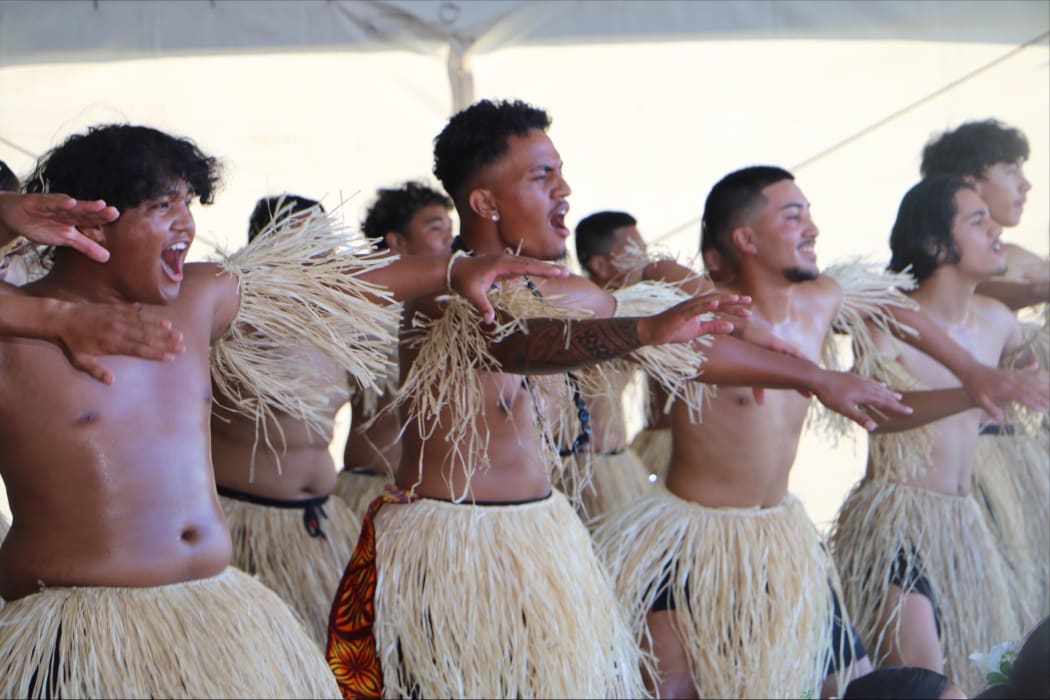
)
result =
(652, 102)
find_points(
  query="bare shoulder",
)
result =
(822, 292)
(578, 292)
(210, 289)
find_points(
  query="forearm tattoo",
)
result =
(552, 345)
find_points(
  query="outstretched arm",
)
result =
(732, 362)
(85, 331)
(470, 277)
(987, 386)
(555, 345)
(51, 219)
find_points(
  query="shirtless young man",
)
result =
(1012, 481)
(412, 219)
(725, 558)
(482, 579)
(116, 566)
(922, 574)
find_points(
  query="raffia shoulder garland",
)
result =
(447, 373)
(299, 283)
(675, 366)
(867, 294)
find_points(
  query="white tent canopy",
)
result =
(652, 101)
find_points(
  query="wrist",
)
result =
(448, 269)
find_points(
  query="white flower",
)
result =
(998, 660)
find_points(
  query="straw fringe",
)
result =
(299, 284)
(271, 543)
(497, 602)
(676, 366)
(868, 293)
(358, 490)
(224, 637)
(653, 447)
(444, 389)
(1011, 483)
(751, 587)
(956, 554)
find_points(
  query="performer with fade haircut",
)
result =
(922, 573)
(412, 219)
(474, 535)
(116, 569)
(727, 580)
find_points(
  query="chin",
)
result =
(801, 274)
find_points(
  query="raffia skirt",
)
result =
(223, 637)
(887, 531)
(752, 590)
(1012, 486)
(497, 601)
(272, 543)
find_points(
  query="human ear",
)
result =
(743, 238)
(395, 242)
(483, 203)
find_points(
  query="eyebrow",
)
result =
(790, 205)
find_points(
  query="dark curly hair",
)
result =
(124, 165)
(922, 234)
(594, 233)
(267, 207)
(972, 148)
(394, 208)
(478, 136)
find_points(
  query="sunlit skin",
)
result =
(377, 448)
(113, 485)
(520, 201)
(987, 329)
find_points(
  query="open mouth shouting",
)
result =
(171, 259)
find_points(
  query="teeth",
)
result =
(178, 247)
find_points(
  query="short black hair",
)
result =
(922, 233)
(8, 179)
(124, 165)
(477, 136)
(394, 208)
(282, 206)
(594, 233)
(731, 201)
(897, 683)
(972, 148)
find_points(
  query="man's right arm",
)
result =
(554, 345)
(86, 331)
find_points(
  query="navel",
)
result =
(190, 535)
(88, 418)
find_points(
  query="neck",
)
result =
(74, 277)
(771, 294)
(946, 295)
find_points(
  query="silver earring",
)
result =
(495, 217)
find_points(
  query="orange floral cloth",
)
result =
(351, 648)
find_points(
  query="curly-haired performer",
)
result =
(116, 568)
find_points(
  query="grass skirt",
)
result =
(653, 447)
(271, 543)
(751, 588)
(1012, 486)
(223, 637)
(497, 602)
(359, 489)
(616, 480)
(953, 550)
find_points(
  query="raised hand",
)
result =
(51, 219)
(472, 277)
(990, 386)
(857, 397)
(85, 331)
(684, 321)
